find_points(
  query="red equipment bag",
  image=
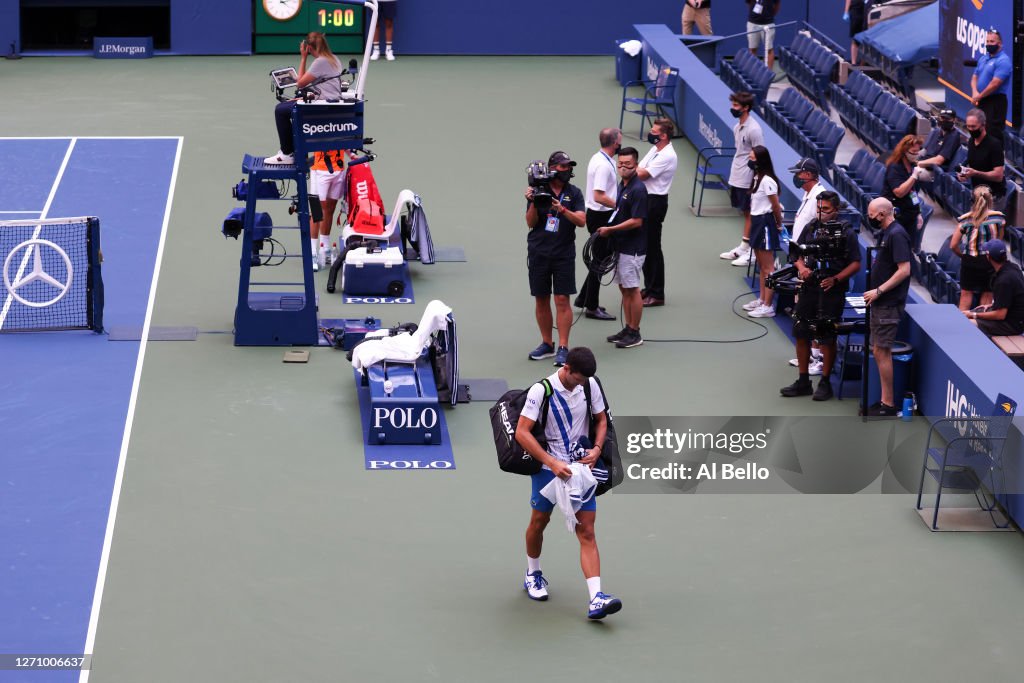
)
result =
(363, 196)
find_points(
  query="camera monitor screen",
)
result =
(285, 78)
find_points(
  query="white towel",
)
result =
(403, 347)
(631, 47)
(570, 495)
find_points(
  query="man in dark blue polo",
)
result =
(628, 233)
(990, 84)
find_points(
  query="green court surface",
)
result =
(251, 545)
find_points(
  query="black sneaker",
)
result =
(801, 387)
(824, 390)
(629, 340)
(617, 336)
(599, 314)
(882, 410)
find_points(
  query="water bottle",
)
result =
(909, 406)
(334, 252)
(325, 257)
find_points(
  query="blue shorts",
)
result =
(542, 504)
(764, 233)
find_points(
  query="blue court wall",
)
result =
(198, 27)
(571, 26)
(526, 27)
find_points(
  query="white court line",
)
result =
(108, 537)
(35, 212)
(92, 137)
(39, 228)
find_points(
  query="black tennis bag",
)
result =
(608, 468)
(513, 458)
(504, 417)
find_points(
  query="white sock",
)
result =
(387, 45)
(532, 564)
(594, 586)
(314, 242)
(816, 354)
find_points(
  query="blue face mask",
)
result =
(653, 139)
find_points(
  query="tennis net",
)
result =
(51, 278)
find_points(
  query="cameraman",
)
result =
(825, 271)
(325, 71)
(551, 254)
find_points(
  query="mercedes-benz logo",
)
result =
(33, 248)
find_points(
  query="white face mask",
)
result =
(913, 156)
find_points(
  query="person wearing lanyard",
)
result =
(656, 171)
(990, 84)
(600, 202)
(551, 256)
(899, 187)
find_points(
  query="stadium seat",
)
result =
(657, 94)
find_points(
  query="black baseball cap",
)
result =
(996, 249)
(806, 165)
(560, 158)
(947, 114)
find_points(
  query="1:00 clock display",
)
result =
(339, 17)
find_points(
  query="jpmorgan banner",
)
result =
(963, 25)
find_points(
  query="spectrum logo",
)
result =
(321, 128)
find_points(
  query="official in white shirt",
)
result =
(599, 198)
(657, 169)
(805, 176)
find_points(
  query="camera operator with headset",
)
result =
(829, 255)
(324, 74)
(553, 212)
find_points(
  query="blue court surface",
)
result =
(66, 398)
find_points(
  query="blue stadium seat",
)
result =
(658, 93)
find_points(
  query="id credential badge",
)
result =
(552, 224)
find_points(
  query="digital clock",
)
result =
(339, 18)
(341, 24)
(334, 19)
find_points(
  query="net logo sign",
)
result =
(17, 280)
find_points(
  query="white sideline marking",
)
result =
(108, 537)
